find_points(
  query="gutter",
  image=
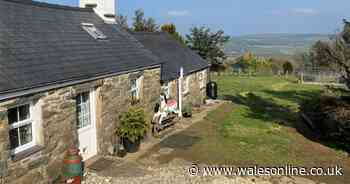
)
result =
(60, 84)
(188, 73)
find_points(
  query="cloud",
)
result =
(296, 11)
(276, 12)
(178, 13)
(305, 11)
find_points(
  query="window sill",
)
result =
(26, 153)
(186, 93)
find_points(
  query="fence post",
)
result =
(302, 77)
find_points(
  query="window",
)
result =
(21, 128)
(93, 31)
(83, 110)
(166, 89)
(186, 85)
(135, 88)
(202, 80)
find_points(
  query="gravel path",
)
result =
(177, 172)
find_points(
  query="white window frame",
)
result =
(201, 76)
(89, 104)
(166, 89)
(93, 31)
(187, 85)
(22, 123)
(136, 88)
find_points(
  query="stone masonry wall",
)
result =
(56, 133)
(196, 95)
(115, 99)
(57, 125)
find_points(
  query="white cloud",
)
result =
(305, 11)
(276, 12)
(296, 11)
(178, 13)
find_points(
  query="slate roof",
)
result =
(43, 44)
(173, 54)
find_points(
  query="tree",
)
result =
(251, 63)
(171, 29)
(247, 61)
(150, 25)
(209, 45)
(139, 21)
(302, 60)
(337, 52)
(318, 57)
(141, 24)
(122, 21)
(287, 67)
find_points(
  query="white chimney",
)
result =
(104, 8)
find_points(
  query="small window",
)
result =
(21, 128)
(83, 110)
(202, 80)
(166, 89)
(186, 88)
(93, 31)
(135, 88)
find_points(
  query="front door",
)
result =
(86, 124)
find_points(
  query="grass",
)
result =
(264, 117)
(257, 128)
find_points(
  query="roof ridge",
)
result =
(49, 5)
(145, 32)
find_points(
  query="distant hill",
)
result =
(278, 45)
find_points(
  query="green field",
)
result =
(276, 45)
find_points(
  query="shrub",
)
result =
(132, 124)
(331, 116)
(287, 67)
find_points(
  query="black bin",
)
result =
(212, 90)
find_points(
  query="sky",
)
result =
(240, 17)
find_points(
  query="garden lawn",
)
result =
(259, 127)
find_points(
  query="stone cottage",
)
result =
(175, 56)
(66, 74)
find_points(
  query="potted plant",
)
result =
(132, 129)
(187, 110)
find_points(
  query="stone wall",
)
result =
(56, 111)
(56, 132)
(196, 95)
(114, 97)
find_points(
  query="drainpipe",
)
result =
(180, 91)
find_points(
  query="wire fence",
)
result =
(320, 75)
